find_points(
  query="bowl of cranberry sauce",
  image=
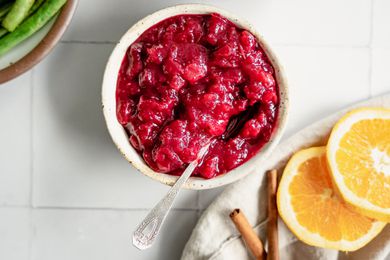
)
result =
(178, 79)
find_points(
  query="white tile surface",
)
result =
(329, 22)
(381, 21)
(75, 161)
(103, 235)
(15, 145)
(14, 233)
(380, 71)
(97, 21)
(207, 196)
(323, 80)
(335, 53)
(280, 21)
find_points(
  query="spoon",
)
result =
(147, 231)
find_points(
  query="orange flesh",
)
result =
(356, 163)
(318, 209)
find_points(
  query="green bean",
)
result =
(31, 25)
(5, 9)
(18, 12)
(35, 6)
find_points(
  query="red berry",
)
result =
(182, 82)
(194, 72)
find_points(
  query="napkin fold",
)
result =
(215, 237)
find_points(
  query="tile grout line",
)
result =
(88, 42)
(370, 44)
(31, 226)
(302, 45)
(106, 209)
(87, 208)
(319, 45)
(31, 137)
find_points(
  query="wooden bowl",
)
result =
(44, 46)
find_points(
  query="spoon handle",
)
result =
(147, 231)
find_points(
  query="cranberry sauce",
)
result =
(182, 81)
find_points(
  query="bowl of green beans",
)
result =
(29, 30)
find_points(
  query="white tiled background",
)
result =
(66, 193)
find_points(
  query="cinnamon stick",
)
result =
(251, 239)
(272, 227)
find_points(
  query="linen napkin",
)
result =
(215, 237)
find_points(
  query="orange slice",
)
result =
(310, 207)
(358, 153)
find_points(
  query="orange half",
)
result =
(358, 153)
(310, 207)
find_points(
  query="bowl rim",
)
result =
(118, 134)
(44, 46)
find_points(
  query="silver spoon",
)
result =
(147, 231)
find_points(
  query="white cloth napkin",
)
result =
(216, 238)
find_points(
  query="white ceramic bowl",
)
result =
(119, 135)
